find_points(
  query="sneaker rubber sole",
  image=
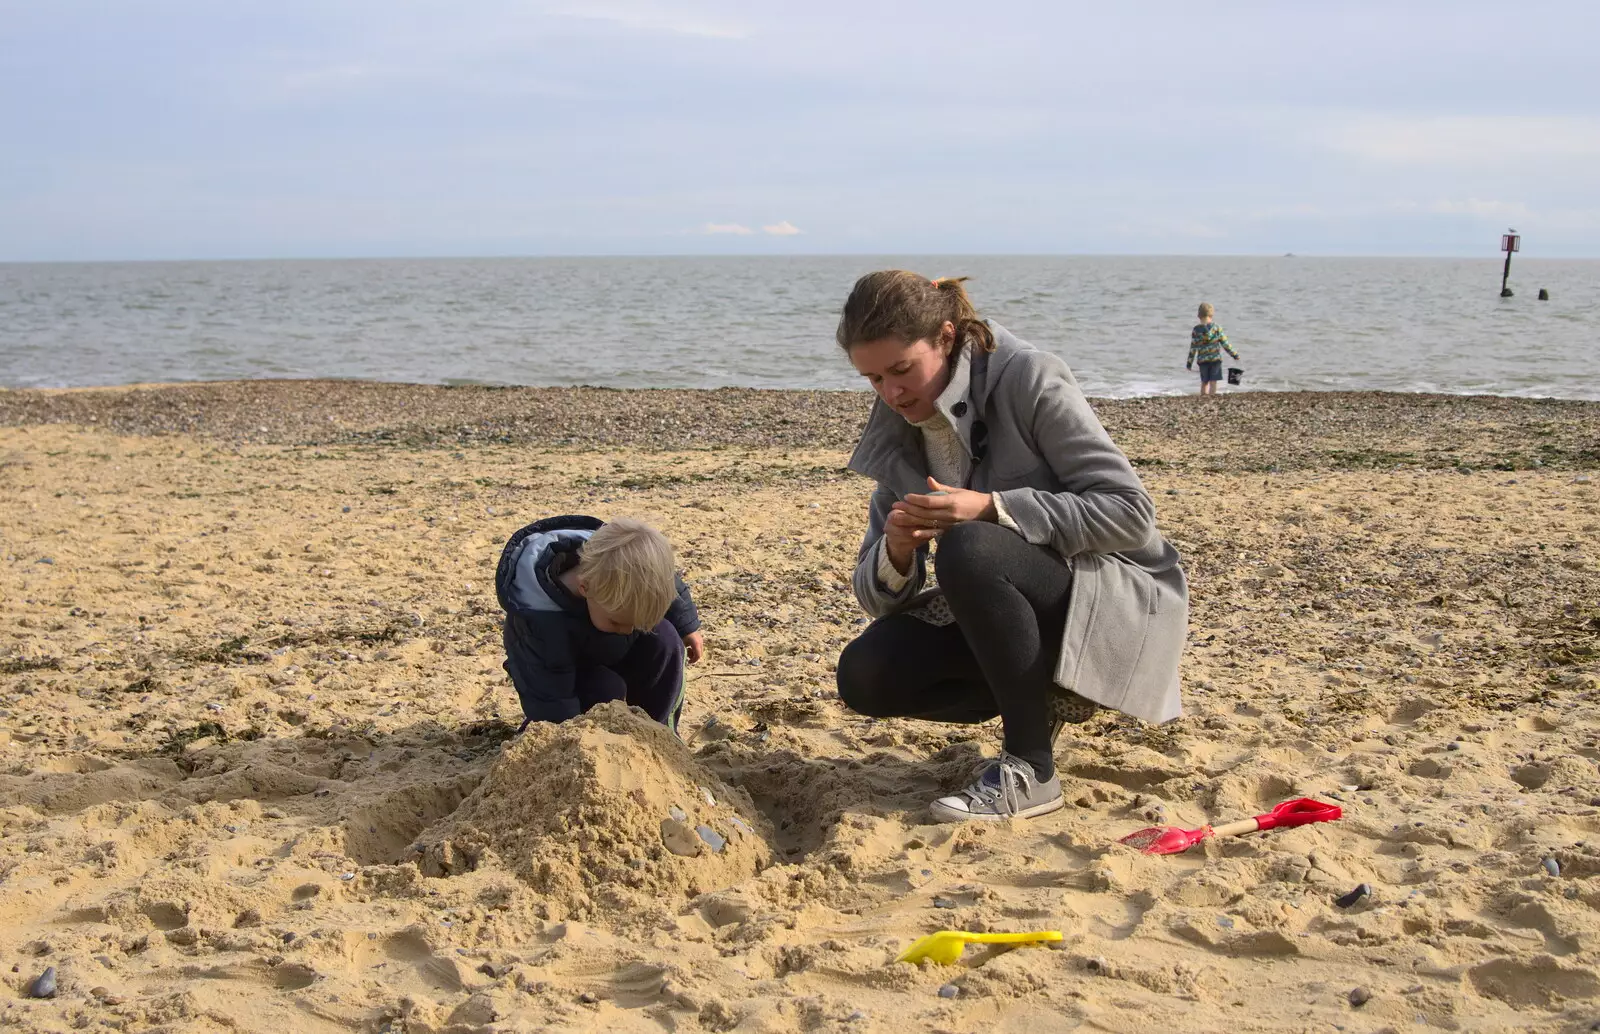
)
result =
(944, 814)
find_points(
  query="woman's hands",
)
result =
(921, 518)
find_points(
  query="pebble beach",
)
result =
(258, 771)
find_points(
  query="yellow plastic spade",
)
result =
(945, 946)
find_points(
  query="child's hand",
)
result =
(695, 644)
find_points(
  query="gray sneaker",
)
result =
(1005, 788)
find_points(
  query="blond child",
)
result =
(1207, 342)
(594, 612)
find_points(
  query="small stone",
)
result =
(859, 1014)
(1349, 900)
(1552, 866)
(679, 838)
(949, 991)
(588, 998)
(678, 813)
(710, 800)
(1225, 921)
(716, 841)
(1452, 745)
(1359, 996)
(740, 825)
(347, 876)
(44, 985)
(943, 903)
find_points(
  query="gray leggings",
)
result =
(1009, 600)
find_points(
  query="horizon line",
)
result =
(466, 257)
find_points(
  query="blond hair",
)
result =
(627, 568)
(1206, 310)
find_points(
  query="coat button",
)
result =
(959, 409)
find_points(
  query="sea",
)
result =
(1122, 323)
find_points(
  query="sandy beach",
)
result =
(259, 772)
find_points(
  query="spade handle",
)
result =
(1012, 938)
(1235, 829)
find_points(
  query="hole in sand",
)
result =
(408, 946)
(1411, 710)
(1531, 776)
(1538, 985)
(1137, 778)
(803, 797)
(441, 974)
(72, 764)
(166, 916)
(292, 976)
(383, 832)
(1430, 768)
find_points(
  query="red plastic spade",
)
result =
(1172, 840)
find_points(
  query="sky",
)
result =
(193, 129)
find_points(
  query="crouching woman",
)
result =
(1055, 595)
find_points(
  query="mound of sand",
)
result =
(605, 812)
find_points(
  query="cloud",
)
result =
(1466, 139)
(783, 229)
(737, 229)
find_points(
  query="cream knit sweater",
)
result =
(949, 464)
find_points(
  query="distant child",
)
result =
(595, 612)
(1207, 342)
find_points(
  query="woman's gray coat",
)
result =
(1035, 442)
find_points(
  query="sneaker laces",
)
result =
(1002, 779)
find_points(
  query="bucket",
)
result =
(1235, 374)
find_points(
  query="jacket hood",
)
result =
(519, 581)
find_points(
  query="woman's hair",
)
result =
(1207, 309)
(627, 568)
(909, 306)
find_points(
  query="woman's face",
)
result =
(909, 378)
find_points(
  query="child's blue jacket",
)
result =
(548, 634)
